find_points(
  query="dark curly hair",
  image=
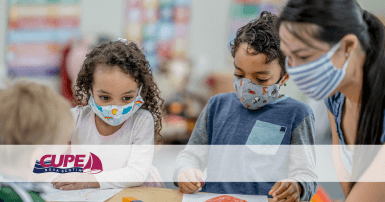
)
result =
(131, 60)
(261, 35)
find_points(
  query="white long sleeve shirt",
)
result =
(120, 169)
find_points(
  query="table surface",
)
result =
(151, 194)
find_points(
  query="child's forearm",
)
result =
(192, 157)
(135, 172)
(302, 158)
(122, 178)
(195, 153)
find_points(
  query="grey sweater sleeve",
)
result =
(194, 154)
(302, 158)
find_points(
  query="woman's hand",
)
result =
(286, 190)
(190, 181)
(72, 181)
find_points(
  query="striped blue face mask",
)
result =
(318, 79)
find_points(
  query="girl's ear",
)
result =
(284, 79)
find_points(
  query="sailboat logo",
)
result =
(93, 166)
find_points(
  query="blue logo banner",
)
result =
(40, 169)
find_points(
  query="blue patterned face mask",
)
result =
(254, 96)
(318, 79)
(115, 115)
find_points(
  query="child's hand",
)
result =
(71, 181)
(190, 181)
(286, 190)
(76, 185)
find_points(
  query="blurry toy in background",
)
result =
(73, 56)
(182, 106)
(221, 81)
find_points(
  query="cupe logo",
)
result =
(49, 163)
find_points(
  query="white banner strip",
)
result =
(169, 163)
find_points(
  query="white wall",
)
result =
(208, 35)
(374, 6)
(3, 25)
(101, 16)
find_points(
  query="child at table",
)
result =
(30, 114)
(124, 108)
(257, 114)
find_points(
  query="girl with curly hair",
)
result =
(123, 108)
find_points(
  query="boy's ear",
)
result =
(284, 79)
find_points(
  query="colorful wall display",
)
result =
(243, 11)
(161, 27)
(37, 31)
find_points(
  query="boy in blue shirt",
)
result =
(255, 116)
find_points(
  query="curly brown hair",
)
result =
(131, 60)
(261, 35)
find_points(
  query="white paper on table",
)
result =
(80, 195)
(202, 197)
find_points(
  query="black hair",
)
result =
(335, 19)
(261, 35)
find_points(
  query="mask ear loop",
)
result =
(286, 63)
(334, 49)
(91, 98)
(140, 90)
(280, 81)
(91, 95)
(346, 63)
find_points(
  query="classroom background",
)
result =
(186, 43)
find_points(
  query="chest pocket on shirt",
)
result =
(265, 138)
